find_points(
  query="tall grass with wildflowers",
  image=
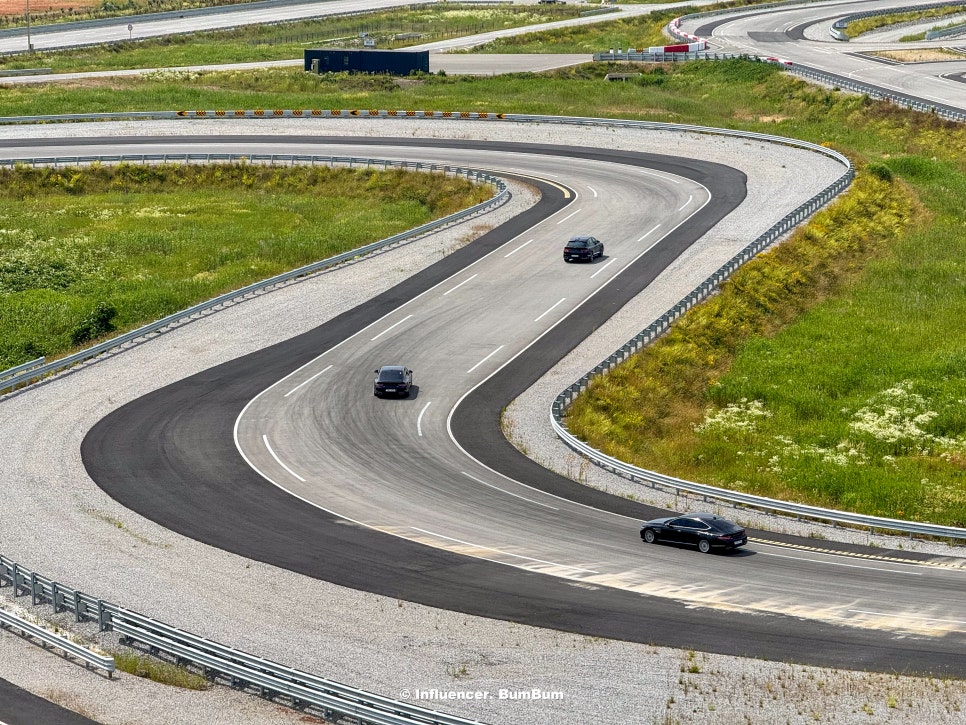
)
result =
(113, 247)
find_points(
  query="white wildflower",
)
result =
(741, 416)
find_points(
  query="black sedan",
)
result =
(393, 380)
(705, 531)
(583, 249)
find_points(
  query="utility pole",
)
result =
(30, 46)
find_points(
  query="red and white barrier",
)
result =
(679, 48)
(695, 43)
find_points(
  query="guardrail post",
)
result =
(33, 588)
(77, 606)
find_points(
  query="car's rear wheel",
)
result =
(704, 546)
(649, 536)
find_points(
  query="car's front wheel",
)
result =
(704, 546)
(649, 536)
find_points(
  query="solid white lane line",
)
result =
(517, 249)
(555, 304)
(391, 327)
(838, 563)
(908, 616)
(419, 420)
(279, 460)
(662, 177)
(577, 211)
(306, 382)
(612, 260)
(650, 232)
(485, 359)
(505, 553)
(686, 203)
(453, 289)
(593, 191)
(509, 493)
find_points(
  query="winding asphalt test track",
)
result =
(171, 457)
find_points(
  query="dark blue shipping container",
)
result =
(394, 62)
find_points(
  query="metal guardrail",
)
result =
(242, 670)
(25, 72)
(951, 32)
(21, 368)
(14, 377)
(8, 620)
(636, 57)
(603, 10)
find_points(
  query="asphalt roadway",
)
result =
(172, 457)
(19, 707)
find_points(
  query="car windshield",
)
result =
(578, 243)
(390, 375)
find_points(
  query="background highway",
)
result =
(116, 30)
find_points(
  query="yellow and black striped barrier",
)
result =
(338, 113)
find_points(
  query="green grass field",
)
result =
(112, 248)
(845, 386)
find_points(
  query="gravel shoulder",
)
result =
(58, 522)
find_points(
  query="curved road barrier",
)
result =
(49, 639)
(332, 700)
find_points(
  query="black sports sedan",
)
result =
(392, 380)
(583, 248)
(705, 531)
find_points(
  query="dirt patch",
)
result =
(919, 55)
(39, 8)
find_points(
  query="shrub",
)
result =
(99, 322)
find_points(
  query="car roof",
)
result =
(581, 238)
(700, 515)
(392, 367)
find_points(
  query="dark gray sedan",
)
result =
(703, 530)
(393, 380)
(583, 249)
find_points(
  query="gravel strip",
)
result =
(364, 640)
